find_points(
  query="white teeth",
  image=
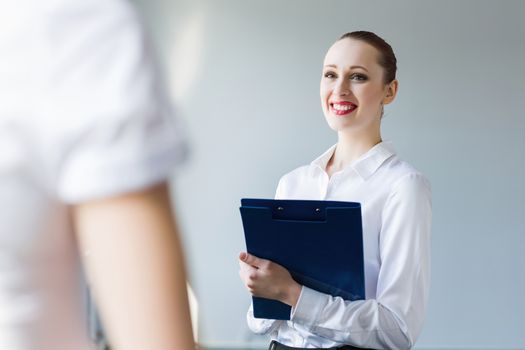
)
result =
(339, 107)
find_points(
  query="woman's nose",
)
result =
(342, 88)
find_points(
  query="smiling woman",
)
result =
(358, 80)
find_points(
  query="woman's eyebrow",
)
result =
(363, 68)
(352, 67)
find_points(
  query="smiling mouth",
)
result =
(342, 108)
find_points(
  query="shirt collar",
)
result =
(366, 165)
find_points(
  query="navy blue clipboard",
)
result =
(319, 242)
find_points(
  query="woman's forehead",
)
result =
(350, 52)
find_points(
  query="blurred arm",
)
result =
(134, 262)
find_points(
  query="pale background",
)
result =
(245, 77)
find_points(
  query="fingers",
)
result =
(253, 272)
(252, 260)
(245, 268)
(248, 275)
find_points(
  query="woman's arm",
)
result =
(394, 319)
(135, 266)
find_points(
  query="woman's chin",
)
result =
(339, 125)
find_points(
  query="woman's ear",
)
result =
(391, 92)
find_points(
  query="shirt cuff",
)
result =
(308, 307)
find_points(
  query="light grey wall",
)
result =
(246, 76)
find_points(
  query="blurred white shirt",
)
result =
(396, 214)
(83, 115)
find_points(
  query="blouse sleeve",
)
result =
(394, 319)
(261, 325)
(108, 119)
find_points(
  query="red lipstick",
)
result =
(342, 107)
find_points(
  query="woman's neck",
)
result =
(349, 148)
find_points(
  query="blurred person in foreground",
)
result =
(87, 143)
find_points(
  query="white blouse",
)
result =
(396, 216)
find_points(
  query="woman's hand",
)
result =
(266, 279)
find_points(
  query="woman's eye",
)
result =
(329, 75)
(358, 77)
